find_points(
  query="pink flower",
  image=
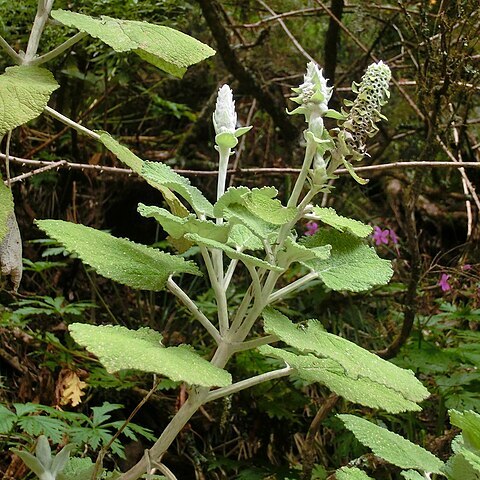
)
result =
(445, 286)
(312, 228)
(466, 267)
(380, 236)
(393, 237)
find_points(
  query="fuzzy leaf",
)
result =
(391, 447)
(356, 361)
(161, 174)
(78, 469)
(331, 217)
(31, 462)
(411, 475)
(24, 93)
(352, 264)
(351, 473)
(232, 253)
(330, 373)
(469, 422)
(294, 252)
(61, 459)
(43, 452)
(241, 237)
(119, 348)
(164, 47)
(263, 205)
(6, 208)
(459, 468)
(177, 227)
(122, 152)
(119, 259)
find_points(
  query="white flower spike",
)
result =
(225, 120)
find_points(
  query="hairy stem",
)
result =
(17, 58)
(193, 309)
(299, 184)
(72, 123)
(43, 11)
(291, 287)
(58, 50)
(249, 382)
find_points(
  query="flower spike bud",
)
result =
(372, 95)
(225, 119)
(313, 94)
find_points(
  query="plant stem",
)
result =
(58, 50)
(220, 295)
(224, 155)
(72, 123)
(255, 343)
(43, 11)
(194, 310)
(17, 58)
(307, 162)
(249, 382)
(229, 273)
(282, 292)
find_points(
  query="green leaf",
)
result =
(164, 47)
(24, 93)
(163, 175)
(331, 374)
(356, 361)
(352, 264)
(31, 462)
(6, 208)
(261, 203)
(100, 413)
(331, 217)
(36, 425)
(78, 469)
(412, 475)
(391, 447)
(119, 348)
(61, 459)
(122, 152)
(232, 253)
(177, 227)
(241, 237)
(7, 419)
(294, 252)
(459, 468)
(43, 451)
(351, 473)
(469, 422)
(119, 259)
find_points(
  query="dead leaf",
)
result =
(69, 388)
(11, 253)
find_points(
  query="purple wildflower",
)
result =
(393, 237)
(312, 228)
(445, 286)
(380, 236)
(466, 267)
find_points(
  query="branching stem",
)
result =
(193, 309)
(43, 11)
(72, 123)
(16, 57)
(58, 50)
(248, 383)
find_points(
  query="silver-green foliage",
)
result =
(119, 348)
(164, 47)
(24, 93)
(118, 258)
(392, 447)
(343, 366)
